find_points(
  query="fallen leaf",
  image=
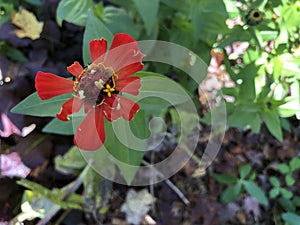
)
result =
(12, 166)
(137, 205)
(30, 26)
(251, 206)
(8, 127)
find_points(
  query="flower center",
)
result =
(95, 83)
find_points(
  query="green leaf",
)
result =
(242, 118)
(34, 2)
(247, 88)
(274, 181)
(244, 170)
(5, 12)
(71, 162)
(57, 126)
(236, 34)
(231, 8)
(277, 68)
(101, 162)
(291, 218)
(255, 191)
(287, 204)
(56, 195)
(274, 192)
(208, 20)
(73, 11)
(231, 193)
(294, 164)
(34, 106)
(96, 190)
(148, 10)
(124, 146)
(289, 180)
(296, 201)
(283, 168)
(286, 193)
(94, 29)
(225, 178)
(155, 86)
(118, 21)
(271, 118)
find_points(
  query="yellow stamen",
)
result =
(109, 90)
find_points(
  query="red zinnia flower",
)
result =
(98, 88)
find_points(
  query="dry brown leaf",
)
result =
(30, 26)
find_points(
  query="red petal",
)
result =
(128, 107)
(124, 51)
(90, 134)
(71, 106)
(130, 69)
(49, 85)
(98, 49)
(110, 113)
(75, 69)
(129, 85)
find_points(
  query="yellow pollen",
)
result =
(109, 90)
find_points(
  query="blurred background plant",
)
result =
(252, 48)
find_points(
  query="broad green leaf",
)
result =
(231, 193)
(247, 88)
(71, 162)
(287, 204)
(277, 67)
(231, 8)
(268, 35)
(235, 34)
(34, 106)
(94, 29)
(14, 53)
(292, 105)
(178, 5)
(271, 118)
(208, 19)
(148, 10)
(244, 170)
(166, 91)
(225, 178)
(34, 2)
(291, 218)
(56, 126)
(242, 119)
(290, 16)
(5, 11)
(73, 11)
(101, 162)
(124, 146)
(255, 191)
(117, 20)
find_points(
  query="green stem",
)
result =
(69, 189)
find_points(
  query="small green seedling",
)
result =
(245, 182)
